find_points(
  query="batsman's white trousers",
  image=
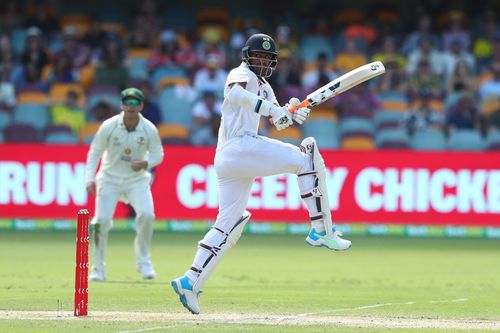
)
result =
(242, 159)
(138, 194)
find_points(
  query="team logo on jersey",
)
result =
(266, 45)
(264, 94)
(115, 141)
(126, 155)
(141, 140)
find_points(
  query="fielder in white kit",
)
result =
(129, 145)
(242, 155)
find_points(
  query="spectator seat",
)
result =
(88, 132)
(20, 133)
(356, 126)
(5, 120)
(176, 106)
(324, 130)
(428, 139)
(32, 97)
(290, 134)
(59, 92)
(61, 138)
(173, 133)
(388, 119)
(466, 139)
(35, 115)
(392, 138)
(493, 141)
(357, 143)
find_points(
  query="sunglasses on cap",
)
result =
(131, 101)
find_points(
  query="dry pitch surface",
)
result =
(170, 319)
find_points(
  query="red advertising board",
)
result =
(400, 187)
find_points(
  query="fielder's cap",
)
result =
(132, 93)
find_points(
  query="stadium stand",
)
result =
(466, 139)
(88, 131)
(20, 133)
(392, 138)
(428, 139)
(36, 115)
(175, 106)
(388, 119)
(355, 126)
(61, 138)
(357, 142)
(5, 120)
(325, 130)
(493, 141)
(174, 134)
(33, 97)
(290, 134)
(200, 30)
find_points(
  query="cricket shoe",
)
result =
(147, 271)
(187, 296)
(97, 274)
(333, 241)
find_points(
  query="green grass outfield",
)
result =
(265, 284)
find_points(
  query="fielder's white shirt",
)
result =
(237, 121)
(118, 147)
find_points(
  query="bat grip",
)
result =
(304, 104)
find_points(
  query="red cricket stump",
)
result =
(82, 264)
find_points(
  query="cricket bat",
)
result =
(341, 84)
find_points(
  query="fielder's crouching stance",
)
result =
(243, 155)
(127, 145)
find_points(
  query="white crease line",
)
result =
(451, 301)
(152, 328)
(372, 307)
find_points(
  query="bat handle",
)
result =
(304, 104)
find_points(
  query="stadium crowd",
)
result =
(61, 70)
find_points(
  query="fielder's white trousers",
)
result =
(138, 193)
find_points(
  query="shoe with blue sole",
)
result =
(332, 242)
(187, 296)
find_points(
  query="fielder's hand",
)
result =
(91, 188)
(138, 165)
(281, 117)
(300, 115)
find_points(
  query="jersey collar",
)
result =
(139, 124)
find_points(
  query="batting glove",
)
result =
(301, 114)
(281, 117)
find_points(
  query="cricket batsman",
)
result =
(242, 155)
(129, 146)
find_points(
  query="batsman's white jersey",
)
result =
(235, 121)
(242, 154)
